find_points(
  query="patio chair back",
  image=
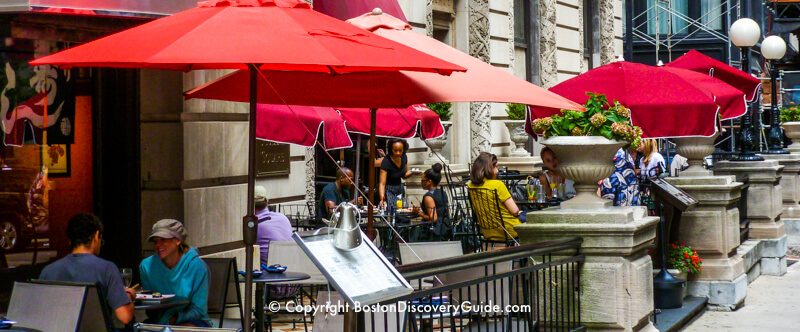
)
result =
(223, 287)
(289, 254)
(140, 327)
(498, 292)
(486, 213)
(464, 229)
(59, 306)
(416, 252)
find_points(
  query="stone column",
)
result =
(712, 229)
(790, 185)
(607, 39)
(548, 69)
(480, 113)
(764, 208)
(617, 276)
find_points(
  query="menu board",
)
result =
(361, 275)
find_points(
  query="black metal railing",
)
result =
(534, 287)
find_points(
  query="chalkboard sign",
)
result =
(271, 158)
(672, 195)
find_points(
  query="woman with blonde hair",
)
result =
(652, 163)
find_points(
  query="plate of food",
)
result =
(153, 297)
(404, 210)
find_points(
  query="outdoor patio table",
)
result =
(269, 278)
(176, 301)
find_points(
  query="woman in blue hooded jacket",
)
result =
(177, 269)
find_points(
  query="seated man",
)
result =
(272, 226)
(337, 192)
(85, 233)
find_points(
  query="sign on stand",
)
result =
(362, 275)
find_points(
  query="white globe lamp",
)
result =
(745, 32)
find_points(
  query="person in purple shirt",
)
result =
(272, 226)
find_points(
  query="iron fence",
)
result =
(534, 287)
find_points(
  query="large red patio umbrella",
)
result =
(662, 103)
(283, 35)
(481, 82)
(699, 62)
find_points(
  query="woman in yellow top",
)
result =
(484, 175)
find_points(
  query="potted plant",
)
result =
(585, 143)
(516, 129)
(436, 144)
(790, 121)
(683, 259)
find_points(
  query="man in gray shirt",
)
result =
(85, 233)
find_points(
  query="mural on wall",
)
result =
(26, 93)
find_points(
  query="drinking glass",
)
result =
(127, 276)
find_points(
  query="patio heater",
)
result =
(745, 33)
(774, 48)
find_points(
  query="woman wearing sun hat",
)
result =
(176, 269)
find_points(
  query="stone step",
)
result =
(675, 319)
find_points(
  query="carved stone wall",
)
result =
(548, 70)
(311, 167)
(582, 33)
(429, 18)
(511, 41)
(607, 53)
(480, 113)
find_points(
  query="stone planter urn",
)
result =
(695, 149)
(436, 145)
(517, 134)
(585, 160)
(792, 130)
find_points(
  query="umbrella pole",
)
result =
(249, 225)
(373, 119)
(358, 165)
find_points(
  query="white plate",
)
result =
(150, 298)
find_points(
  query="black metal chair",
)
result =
(223, 287)
(59, 306)
(487, 214)
(464, 229)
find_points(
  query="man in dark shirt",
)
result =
(338, 191)
(85, 233)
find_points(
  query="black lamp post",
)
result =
(745, 33)
(773, 48)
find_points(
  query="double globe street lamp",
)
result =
(745, 33)
(773, 48)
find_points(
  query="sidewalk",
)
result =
(772, 304)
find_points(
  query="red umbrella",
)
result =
(662, 103)
(395, 122)
(230, 34)
(302, 125)
(284, 35)
(699, 62)
(730, 100)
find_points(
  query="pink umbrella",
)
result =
(699, 62)
(731, 101)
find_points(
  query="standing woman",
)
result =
(393, 170)
(176, 269)
(434, 202)
(652, 163)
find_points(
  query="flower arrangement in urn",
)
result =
(684, 258)
(601, 118)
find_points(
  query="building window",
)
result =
(520, 22)
(678, 17)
